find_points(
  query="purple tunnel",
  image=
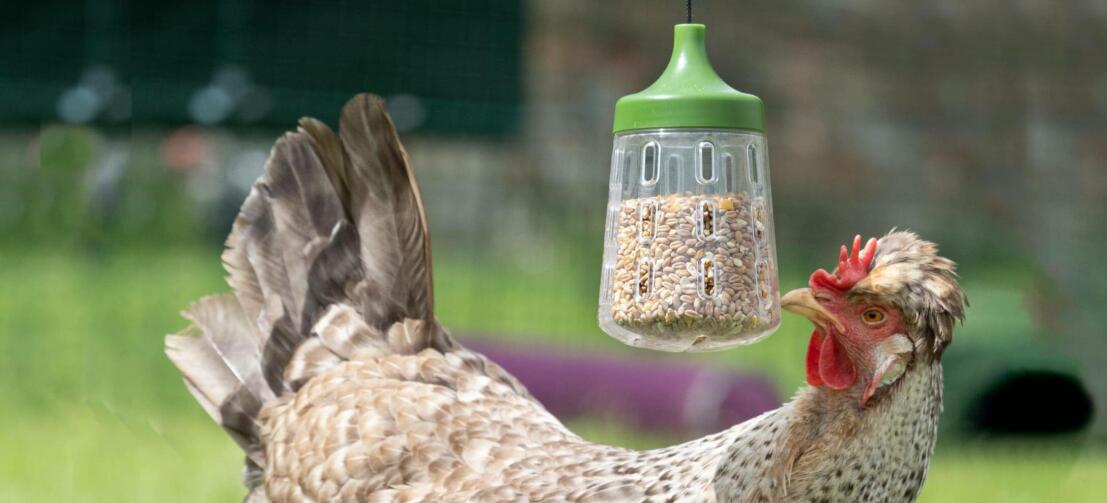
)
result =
(640, 393)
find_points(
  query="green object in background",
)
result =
(1013, 389)
(689, 94)
(460, 60)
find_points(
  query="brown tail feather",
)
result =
(386, 207)
(336, 223)
(219, 357)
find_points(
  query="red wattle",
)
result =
(813, 349)
(835, 369)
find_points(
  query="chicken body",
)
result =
(328, 367)
(439, 426)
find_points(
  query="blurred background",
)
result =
(130, 132)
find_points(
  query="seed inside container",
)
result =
(647, 220)
(707, 220)
(763, 280)
(690, 264)
(759, 219)
(707, 272)
(644, 275)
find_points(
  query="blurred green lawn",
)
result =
(92, 411)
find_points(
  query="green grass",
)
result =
(1015, 474)
(92, 411)
(89, 452)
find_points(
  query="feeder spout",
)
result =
(689, 94)
(689, 68)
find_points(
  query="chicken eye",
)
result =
(873, 316)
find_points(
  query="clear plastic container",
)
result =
(689, 260)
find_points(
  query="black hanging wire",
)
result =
(688, 10)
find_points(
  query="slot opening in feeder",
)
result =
(705, 162)
(647, 221)
(705, 220)
(645, 277)
(707, 277)
(751, 158)
(650, 170)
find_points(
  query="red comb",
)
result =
(852, 266)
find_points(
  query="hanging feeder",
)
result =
(689, 259)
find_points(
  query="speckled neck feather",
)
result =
(823, 447)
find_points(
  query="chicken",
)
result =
(327, 366)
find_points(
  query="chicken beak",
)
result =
(802, 302)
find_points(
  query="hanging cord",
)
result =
(689, 11)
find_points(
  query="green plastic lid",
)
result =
(689, 94)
